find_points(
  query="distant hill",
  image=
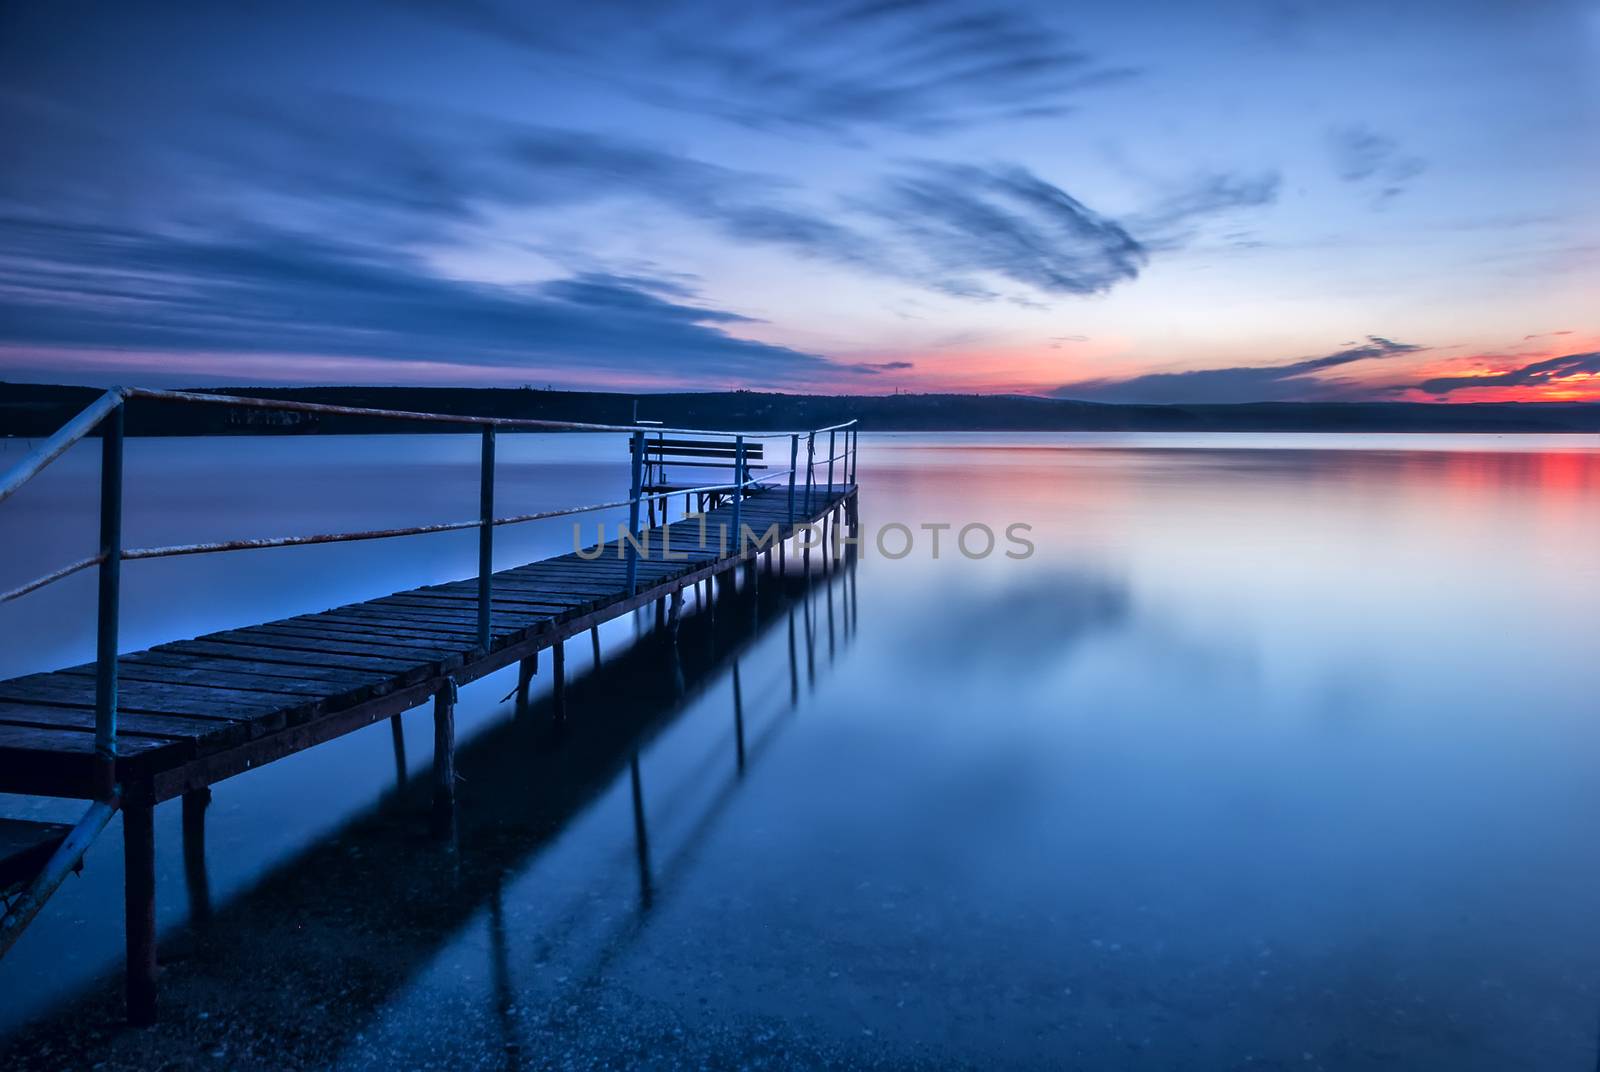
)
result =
(38, 409)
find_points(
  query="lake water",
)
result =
(1277, 752)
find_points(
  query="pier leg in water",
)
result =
(195, 802)
(794, 665)
(398, 732)
(738, 717)
(558, 686)
(594, 637)
(525, 671)
(641, 835)
(444, 758)
(139, 902)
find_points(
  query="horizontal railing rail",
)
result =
(531, 423)
(105, 415)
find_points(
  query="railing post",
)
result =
(633, 511)
(811, 453)
(738, 492)
(485, 534)
(855, 454)
(831, 436)
(105, 677)
(794, 464)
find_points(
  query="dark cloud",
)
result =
(877, 368)
(1269, 383)
(386, 173)
(969, 222)
(1362, 155)
(911, 65)
(1537, 374)
(271, 292)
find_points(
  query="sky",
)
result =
(1123, 202)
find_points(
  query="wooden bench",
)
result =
(660, 451)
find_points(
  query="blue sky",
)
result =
(1128, 202)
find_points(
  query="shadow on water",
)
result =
(293, 969)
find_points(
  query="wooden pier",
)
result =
(186, 715)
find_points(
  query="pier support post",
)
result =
(594, 638)
(195, 802)
(139, 904)
(444, 757)
(558, 685)
(525, 671)
(397, 731)
(641, 834)
(794, 664)
(738, 718)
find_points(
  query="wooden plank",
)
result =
(451, 606)
(334, 678)
(572, 594)
(504, 600)
(398, 668)
(215, 679)
(503, 597)
(397, 632)
(367, 619)
(210, 677)
(150, 698)
(81, 719)
(430, 616)
(506, 587)
(753, 448)
(57, 762)
(499, 628)
(381, 641)
(426, 610)
(416, 656)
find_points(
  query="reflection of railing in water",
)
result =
(524, 779)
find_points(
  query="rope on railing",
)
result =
(440, 418)
(176, 550)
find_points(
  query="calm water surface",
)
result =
(1278, 753)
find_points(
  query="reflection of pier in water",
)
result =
(336, 932)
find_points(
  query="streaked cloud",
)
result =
(1295, 380)
(1554, 373)
(877, 368)
(971, 222)
(270, 292)
(913, 66)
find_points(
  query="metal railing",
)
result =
(106, 414)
